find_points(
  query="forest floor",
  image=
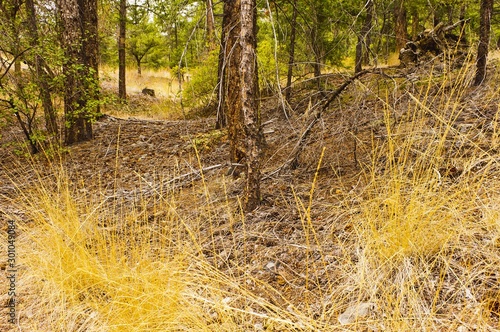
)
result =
(390, 222)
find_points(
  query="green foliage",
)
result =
(205, 141)
(144, 43)
(201, 88)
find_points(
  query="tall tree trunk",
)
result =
(232, 82)
(139, 67)
(91, 56)
(400, 24)
(76, 68)
(316, 48)
(291, 52)
(250, 103)
(228, 112)
(210, 24)
(42, 77)
(484, 40)
(122, 84)
(370, 14)
(362, 46)
(221, 121)
(415, 23)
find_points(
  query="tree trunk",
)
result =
(139, 68)
(91, 55)
(291, 52)
(122, 85)
(484, 41)
(463, 8)
(77, 19)
(400, 24)
(362, 46)
(210, 25)
(358, 59)
(250, 103)
(370, 14)
(227, 22)
(232, 82)
(415, 23)
(42, 77)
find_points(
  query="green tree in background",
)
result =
(144, 38)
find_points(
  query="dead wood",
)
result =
(433, 42)
(293, 161)
(166, 185)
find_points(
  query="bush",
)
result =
(200, 89)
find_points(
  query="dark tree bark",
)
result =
(415, 23)
(42, 77)
(232, 83)
(80, 44)
(91, 54)
(138, 61)
(318, 54)
(250, 104)
(400, 24)
(291, 52)
(484, 40)
(229, 79)
(122, 84)
(240, 91)
(362, 47)
(221, 121)
(210, 24)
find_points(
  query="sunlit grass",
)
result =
(98, 270)
(162, 81)
(422, 213)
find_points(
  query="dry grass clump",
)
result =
(98, 265)
(428, 244)
(92, 273)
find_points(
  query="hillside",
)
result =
(390, 221)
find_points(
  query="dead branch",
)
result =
(293, 161)
(181, 180)
(171, 184)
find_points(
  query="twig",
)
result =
(293, 161)
(184, 177)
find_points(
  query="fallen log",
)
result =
(434, 42)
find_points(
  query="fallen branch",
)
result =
(293, 161)
(182, 179)
(178, 181)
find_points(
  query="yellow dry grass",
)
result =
(162, 81)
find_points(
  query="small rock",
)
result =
(272, 266)
(148, 92)
(258, 327)
(355, 312)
